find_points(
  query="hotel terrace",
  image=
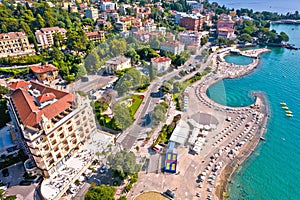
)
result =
(58, 131)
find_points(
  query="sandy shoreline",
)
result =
(229, 170)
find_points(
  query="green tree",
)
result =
(40, 21)
(245, 37)
(166, 87)
(152, 72)
(122, 116)
(101, 192)
(155, 43)
(123, 163)
(158, 114)
(133, 55)
(204, 40)
(284, 36)
(58, 39)
(92, 62)
(3, 90)
(77, 40)
(49, 19)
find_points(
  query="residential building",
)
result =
(174, 47)
(225, 27)
(46, 72)
(190, 37)
(149, 25)
(193, 22)
(92, 13)
(103, 24)
(195, 5)
(127, 20)
(142, 36)
(45, 36)
(121, 26)
(108, 6)
(161, 64)
(51, 125)
(15, 44)
(117, 63)
(96, 36)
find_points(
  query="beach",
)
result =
(225, 145)
(225, 71)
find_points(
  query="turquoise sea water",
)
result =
(278, 6)
(273, 171)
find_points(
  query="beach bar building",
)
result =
(171, 159)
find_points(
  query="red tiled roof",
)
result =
(55, 28)
(46, 97)
(18, 84)
(171, 44)
(160, 59)
(31, 114)
(43, 68)
(226, 29)
(12, 35)
(96, 33)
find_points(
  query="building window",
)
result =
(70, 128)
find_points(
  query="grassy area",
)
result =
(137, 100)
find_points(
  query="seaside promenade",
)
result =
(238, 131)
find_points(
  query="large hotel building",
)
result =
(15, 44)
(51, 125)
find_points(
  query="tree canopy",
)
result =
(101, 192)
(122, 116)
(123, 163)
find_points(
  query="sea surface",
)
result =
(279, 6)
(273, 170)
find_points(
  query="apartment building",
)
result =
(193, 22)
(225, 27)
(96, 36)
(161, 64)
(190, 38)
(108, 6)
(174, 47)
(92, 13)
(51, 125)
(45, 36)
(15, 44)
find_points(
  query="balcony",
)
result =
(61, 136)
(54, 142)
(51, 162)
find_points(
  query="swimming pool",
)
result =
(5, 138)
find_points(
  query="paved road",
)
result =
(128, 138)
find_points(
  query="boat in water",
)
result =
(283, 103)
(288, 112)
(289, 115)
(285, 107)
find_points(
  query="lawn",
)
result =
(136, 102)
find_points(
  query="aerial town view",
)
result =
(149, 100)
